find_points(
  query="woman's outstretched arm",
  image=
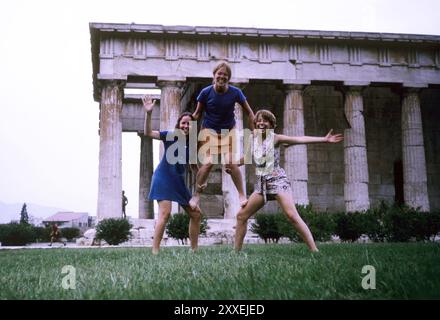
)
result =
(148, 107)
(291, 140)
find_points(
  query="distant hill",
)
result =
(11, 211)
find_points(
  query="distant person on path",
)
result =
(168, 182)
(217, 102)
(124, 204)
(55, 235)
(272, 182)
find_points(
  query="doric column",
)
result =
(171, 92)
(146, 209)
(231, 202)
(295, 156)
(415, 187)
(110, 151)
(356, 194)
(170, 96)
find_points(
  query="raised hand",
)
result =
(148, 103)
(333, 138)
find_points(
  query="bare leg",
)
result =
(164, 215)
(195, 217)
(255, 202)
(201, 178)
(238, 182)
(286, 202)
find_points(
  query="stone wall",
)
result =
(430, 107)
(323, 110)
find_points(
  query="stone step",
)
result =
(220, 231)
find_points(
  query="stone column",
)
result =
(231, 203)
(356, 194)
(295, 156)
(415, 187)
(146, 209)
(110, 151)
(170, 96)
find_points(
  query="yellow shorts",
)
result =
(216, 144)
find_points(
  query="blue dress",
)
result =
(168, 181)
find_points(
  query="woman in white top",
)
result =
(272, 182)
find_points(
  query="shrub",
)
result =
(178, 226)
(113, 231)
(69, 233)
(266, 226)
(16, 234)
(321, 224)
(349, 225)
(433, 223)
(373, 223)
(42, 234)
(399, 222)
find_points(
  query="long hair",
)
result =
(183, 114)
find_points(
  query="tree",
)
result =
(24, 218)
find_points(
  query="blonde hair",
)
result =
(223, 65)
(266, 115)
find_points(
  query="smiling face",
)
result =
(262, 123)
(184, 124)
(264, 119)
(221, 79)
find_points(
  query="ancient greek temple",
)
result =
(382, 91)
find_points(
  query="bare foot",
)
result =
(155, 251)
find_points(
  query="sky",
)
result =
(49, 143)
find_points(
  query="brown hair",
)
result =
(223, 65)
(186, 113)
(266, 115)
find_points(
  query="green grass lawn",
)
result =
(272, 271)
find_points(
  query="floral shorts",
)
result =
(269, 186)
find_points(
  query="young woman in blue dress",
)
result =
(168, 183)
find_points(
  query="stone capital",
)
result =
(296, 81)
(293, 87)
(414, 85)
(406, 89)
(410, 91)
(356, 83)
(410, 88)
(352, 87)
(171, 82)
(112, 80)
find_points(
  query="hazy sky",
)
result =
(49, 143)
